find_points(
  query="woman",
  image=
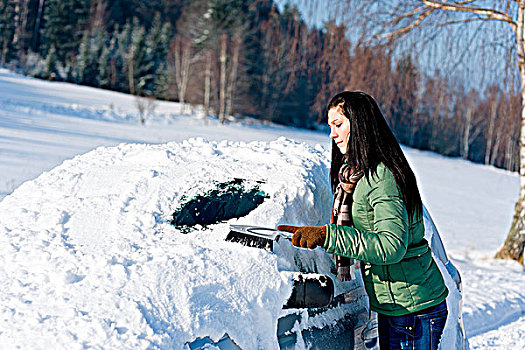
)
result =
(377, 219)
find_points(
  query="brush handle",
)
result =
(287, 235)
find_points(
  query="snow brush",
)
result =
(255, 236)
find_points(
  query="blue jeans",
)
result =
(420, 330)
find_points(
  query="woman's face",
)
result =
(339, 128)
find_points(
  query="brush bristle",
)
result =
(250, 240)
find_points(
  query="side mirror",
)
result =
(310, 290)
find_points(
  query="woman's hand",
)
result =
(305, 236)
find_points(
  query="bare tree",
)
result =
(233, 73)
(182, 51)
(145, 107)
(282, 61)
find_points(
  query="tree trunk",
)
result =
(435, 118)
(185, 73)
(510, 148)
(207, 84)
(509, 152)
(466, 134)
(182, 68)
(513, 246)
(24, 34)
(4, 54)
(233, 74)
(490, 135)
(495, 148)
(20, 37)
(515, 241)
(266, 44)
(222, 91)
(414, 122)
(98, 20)
(36, 31)
(131, 81)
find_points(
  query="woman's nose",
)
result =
(333, 135)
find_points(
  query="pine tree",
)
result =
(50, 71)
(84, 60)
(89, 56)
(123, 48)
(138, 64)
(161, 81)
(111, 67)
(7, 30)
(103, 78)
(64, 25)
(157, 42)
(153, 39)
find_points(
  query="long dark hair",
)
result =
(372, 142)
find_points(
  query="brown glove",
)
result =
(306, 236)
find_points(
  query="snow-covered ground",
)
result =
(53, 281)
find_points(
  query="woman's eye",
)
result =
(338, 125)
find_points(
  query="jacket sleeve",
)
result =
(387, 243)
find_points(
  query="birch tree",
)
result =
(233, 73)
(493, 100)
(182, 60)
(412, 15)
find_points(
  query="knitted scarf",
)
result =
(342, 212)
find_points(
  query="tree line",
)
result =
(249, 58)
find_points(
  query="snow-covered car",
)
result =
(91, 257)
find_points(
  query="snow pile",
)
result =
(503, 283)
(89, 258)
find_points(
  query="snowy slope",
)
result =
(43, 123)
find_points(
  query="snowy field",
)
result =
(52, 282)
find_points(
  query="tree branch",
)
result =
(433, 5)
(466, 20)
(408, 28)
(490, 13)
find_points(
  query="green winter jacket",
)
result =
(399, 273)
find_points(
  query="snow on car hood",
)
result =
(89, 257)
